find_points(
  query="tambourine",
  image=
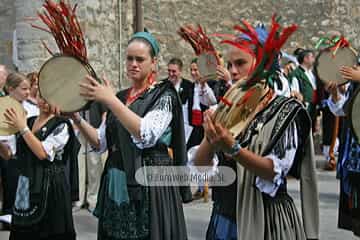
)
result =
(238, 106)
(59, 80)
(207, 64)
(327, 64)
(354, 113)
(6, 103)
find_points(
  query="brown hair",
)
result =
(13, 80)
(33, 76)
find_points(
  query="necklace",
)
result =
(150, 81)
(130, 99)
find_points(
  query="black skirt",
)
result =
(349, 210)
(57, 222)
(157, 216)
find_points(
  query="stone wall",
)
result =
(315, 18)
(100, 21)
(108, 26)
(7, 26)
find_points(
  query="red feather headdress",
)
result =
(198, 39)
(63, 25)
(264, 53)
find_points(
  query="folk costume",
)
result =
(126, 209)
(348, 166)
(46, 188)
(252, 207)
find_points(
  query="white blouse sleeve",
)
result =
(54, 143)
(337, 108)
(101, 133)
(295, 85)
(207, 96)
(154, 123)
(211, 170)
(281, 166)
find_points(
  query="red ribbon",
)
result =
(226, 102)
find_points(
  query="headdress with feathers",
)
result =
(63, 25)
(263, 45)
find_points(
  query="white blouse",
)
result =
(285, 91)
(32, 110)
(53, 144)
(207, 95)
(152, 126)
(281, 166)
(338, 108)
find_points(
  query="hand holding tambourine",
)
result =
(7, 104)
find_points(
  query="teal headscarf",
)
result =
(150, 39)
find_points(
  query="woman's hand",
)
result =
(351, 73)
(92, 90)
(297, 95)
(202, 81)
(223, 74)
(216, 134)
(15, 120)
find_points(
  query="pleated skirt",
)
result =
(282, 221)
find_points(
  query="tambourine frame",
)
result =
(350, 112)
(10, 103)
(86, 65)
(317, 64)
(204, 70)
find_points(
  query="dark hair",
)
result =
(194, 60)
(302, 54)
(298, 51)
(176, 61)
(142, 40)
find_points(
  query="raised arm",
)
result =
(222, 139)
(88, 131)
(92, 90)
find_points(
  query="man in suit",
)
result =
(306, 83)
(196, 97)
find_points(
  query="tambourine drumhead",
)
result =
(59, 80)
(6, 103)
(355, 114)
(236, 118)
(328, 66)
(207, 64)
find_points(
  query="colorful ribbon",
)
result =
(333, 43)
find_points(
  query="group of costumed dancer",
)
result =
(145, 120)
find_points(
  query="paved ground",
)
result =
(198, 213)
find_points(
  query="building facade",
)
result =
(108, 25)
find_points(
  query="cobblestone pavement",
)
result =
(198, 213)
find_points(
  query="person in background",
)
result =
(305, 82)
(45, 145)
(18, 87)
(348, 167)
(201, 97)
(30, 104)
(90, 162)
